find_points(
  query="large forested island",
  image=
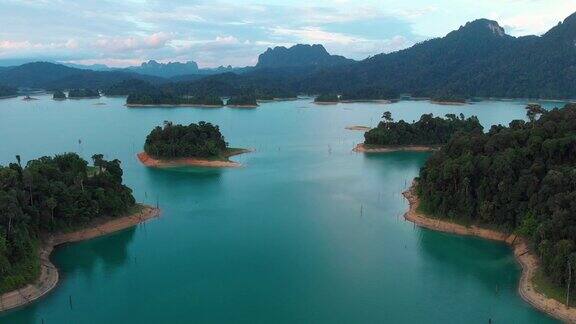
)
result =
(58, 95)
(369, 94)
(83, 93)
(178, 145)
(46, 198)
(518, 179)
(157, 97)
(245, 99)
(426, 134)
(6, 91)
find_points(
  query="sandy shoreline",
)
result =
(358, 128)
(524, 256)
(242, 106)
(151, 162)
(48, 278)
(448, 103)
(362, 148)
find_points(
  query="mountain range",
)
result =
(477, 60)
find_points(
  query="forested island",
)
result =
(6, 92)
(426, 134)
(83, 93)
(243, 100)
(158, 97)
(199, 144)
(369, 94)
(58, 95)
(519, 179)
(48, 196)
(327, 99)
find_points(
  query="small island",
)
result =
(7, 92)
(58, 95)
(52, 201)
(83, 94)
(243, 100)
(515, 184)
(327, 99)
(199, 145)
(427, 134)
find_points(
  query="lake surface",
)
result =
(306, 231)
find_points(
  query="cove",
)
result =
(305, 231)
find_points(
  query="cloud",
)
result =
(133, 43)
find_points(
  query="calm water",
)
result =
(307, 231)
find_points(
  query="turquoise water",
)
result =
(306, 231)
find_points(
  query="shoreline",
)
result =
(242, 106)
(168, 105)
(358, 128)
(326, 103)
(448, 103)
(49, 276)
(362, 148)
(522, 253)
(151, 162)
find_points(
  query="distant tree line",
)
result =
(83, 93)
(247, 97)
(429, 130)
(327, 97)
(369, 93)
(6, 91)
(58, 95)
(180, 141)
(52, 194)
(519, 178)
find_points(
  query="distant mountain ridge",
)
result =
(46, 75)
(299, 55)
(477, 60)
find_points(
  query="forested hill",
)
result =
(299, 55)
(47, 75)
(520, 178)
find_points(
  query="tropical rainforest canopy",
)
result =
(180, 141)
(518, 178)
(52, 194)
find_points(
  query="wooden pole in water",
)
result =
(70, 301)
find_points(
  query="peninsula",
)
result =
(199, 145)
(51, 201)
(520, 180)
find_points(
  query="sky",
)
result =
(227, 32)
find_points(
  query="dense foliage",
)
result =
(246, 98)
(275, 93)
(369, 93)
(429, 130)
(58, 95)
(52, 194)
(156, 96)
(327, 98)
(83, 93)
(180, 141)
(127, 87)
(6, 91)
(520, 178)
